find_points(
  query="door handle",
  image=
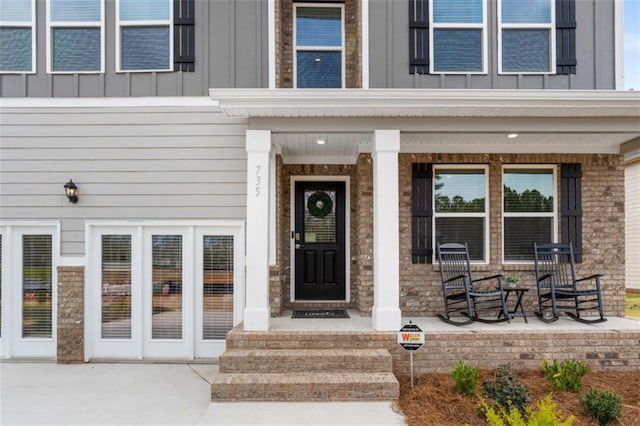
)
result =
(299, 246)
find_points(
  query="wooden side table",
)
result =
(518, 309)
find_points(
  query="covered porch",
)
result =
(371, 139)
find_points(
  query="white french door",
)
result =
(163, 291)
(28, 291)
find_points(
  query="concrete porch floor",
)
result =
(357, 322)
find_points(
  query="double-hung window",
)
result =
(529, 209)
(526, 36)
(458, 34)
(75, 36)
(319, 46)
(144, 35)
(17, 36)
(461, 212)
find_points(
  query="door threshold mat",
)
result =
(320, 313)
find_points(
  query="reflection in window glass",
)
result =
(320, 216)
(17, 42)
(37, 286)
(318, 47)
(459, 36)
(529, 206)
(145, 35)
(116, 286)
(525, 32)
(166, 276)
(460, 208)
(217, 286)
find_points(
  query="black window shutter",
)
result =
(421, 213)
(184, 35)
(566, 37)
(571, 209)
(419, 36)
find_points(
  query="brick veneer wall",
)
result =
(364, 232)
(599, 349)
(602, 228)
(284, 43)
(70, 343)
(420, 293)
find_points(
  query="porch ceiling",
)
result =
(457, 121)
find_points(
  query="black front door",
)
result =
(319, 238)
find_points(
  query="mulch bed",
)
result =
(433, 401)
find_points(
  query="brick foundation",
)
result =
(70, 345)
(604, 349)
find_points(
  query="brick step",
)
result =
(336, 386)
(240, 339)
(305, 360)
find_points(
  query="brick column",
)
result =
(70, 342)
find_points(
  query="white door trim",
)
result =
(347, 230)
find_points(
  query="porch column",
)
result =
(386, 314)
(257, 310)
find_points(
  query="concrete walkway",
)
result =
(154, 394)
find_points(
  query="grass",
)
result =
(632, 304)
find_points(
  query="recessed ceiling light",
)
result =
(512, 135)
(321, 141)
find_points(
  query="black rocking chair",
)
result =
(465, 295)
(558, 287)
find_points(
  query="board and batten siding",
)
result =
(160, 163)
(389, 53)
(231, 50)
(632, 224)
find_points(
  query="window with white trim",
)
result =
(319, 46)
(461, 210)
(144, 35)
(17, 36)
(526, 36)
(529, 209)
(458, 36)
(75, 36)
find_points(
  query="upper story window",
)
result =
(526, 36)
(529, 209)
(458, 35)
(144, 35)
(17, 36)
(75, 36)
(461, 212)
(319, 46)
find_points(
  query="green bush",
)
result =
(545, 413)
(506, 390)
(603, 406)
(566, 375)
(465, 377)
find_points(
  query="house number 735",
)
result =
(258, 181)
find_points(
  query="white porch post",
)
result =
(257, 310)
(386, 314)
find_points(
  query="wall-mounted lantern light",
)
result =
(71, 190)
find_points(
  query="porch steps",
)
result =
(305, 360)
(304, 375)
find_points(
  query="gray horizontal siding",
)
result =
(133, 165)
(389, 52)
(230, 51)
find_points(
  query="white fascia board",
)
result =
(351, 103)
(110, 102)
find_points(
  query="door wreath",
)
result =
(320, 204)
